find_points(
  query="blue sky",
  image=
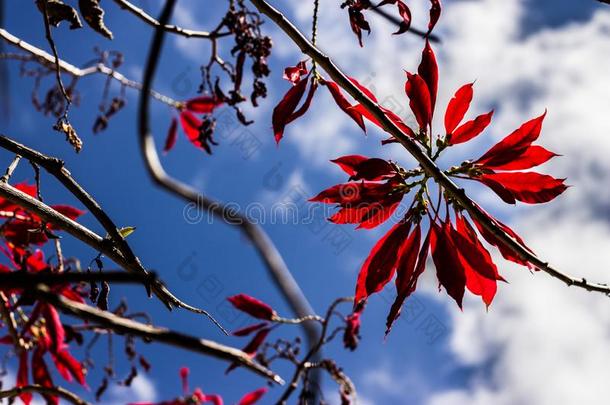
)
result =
(525, 55)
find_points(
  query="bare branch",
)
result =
(49, 36)
(161, 335)
(413, 148)
(39, 389)
(276, 266)
(142, 15)
(397, 21)
(21, 279)
(48, 60)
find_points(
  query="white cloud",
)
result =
(541, 342)
(142, 389)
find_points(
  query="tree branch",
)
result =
(142, 15)
(398, 23)
(48, 60)
(21, 279)
(39, 389)
(274, 262)
(161, 335)
(411, 146)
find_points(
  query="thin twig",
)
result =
(398, 22)
(46, 59)
(274, 262)
(39, 389)
(49, 36)
(161, 335)
(174, 29)
(11, 168)
(412, 147)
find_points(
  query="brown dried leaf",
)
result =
(58, 11)
(94, 16)
(71, 135)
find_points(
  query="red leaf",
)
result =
(190, 125)
(213, 398)
(54, 327)
(470, 129)
(363, 168)
(202, 104)
(353, 193)
(184, 378)
(368, 212)
(69, 367)
(428, 70)
(359, 108)
(22, 377)
(435, 14)
(285, 108)
(511, 147)
(294, 73)
(249, 329)
(506, 252)
(258, 339)
(533, 156)
(41, 375)
(499, 189)
(348, 163)
(252, 397)
(406, 278)
(449, 269)
(379, 267)
(252, 346)
(306, 104)
(68, 211)
(457, 108)
(380, 212)
(363, 89)
(419, 99)
(341, 101)
(404, 12)
(6, 205)
(528, 187)
(252, 306)
(172, 135)
(481, 272)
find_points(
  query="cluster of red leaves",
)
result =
(376, 187)
(197, 397)
(43, 331)
(199, 131)
(356, 8)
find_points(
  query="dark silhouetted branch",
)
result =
(39, 389)
(147, 18)
(156, 334)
